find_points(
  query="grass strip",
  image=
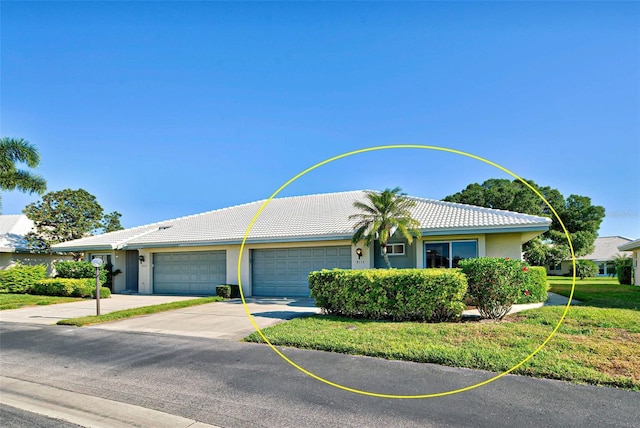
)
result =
(16, 301)
(598, 292)
(594, 346)
(135, 312)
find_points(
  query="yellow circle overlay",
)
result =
(381, 395)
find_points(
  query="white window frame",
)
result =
(393, 253)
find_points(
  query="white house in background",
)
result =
(603, 255)
(292, 237)
(13, 247)
(634, 247)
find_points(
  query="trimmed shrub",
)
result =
(495, 284)
(624, 269)
(223, 291)
(398, 294)
(81, 269)
(535, 288)
(20, 278)
(584, 269)
(69, 287)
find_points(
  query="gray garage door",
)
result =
(283, 272)
(189, 273)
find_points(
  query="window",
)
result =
(394, 250)
(449, 254)
(557, 266)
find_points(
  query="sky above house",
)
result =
(167, 109)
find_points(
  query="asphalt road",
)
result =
(10, 417)
(230, 384)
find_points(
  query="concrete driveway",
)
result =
(222, 320)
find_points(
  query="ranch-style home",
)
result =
(605, 251)
(14, 248)
(292, 237)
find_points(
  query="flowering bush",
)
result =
(495, 284)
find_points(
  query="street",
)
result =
(231, 384)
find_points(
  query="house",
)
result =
(13, 246)
(604, 253)
(292, 237)
(634, 247)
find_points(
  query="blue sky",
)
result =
(166, 109)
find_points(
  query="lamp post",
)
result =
(97, 263)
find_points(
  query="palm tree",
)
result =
(384, 214)
(13, 150)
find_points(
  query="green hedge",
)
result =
(77, 270)
(535, 288)
(70, 287)
(19, 278)
(584, 269)
(223, 291)
(399, 294)
(495, 284)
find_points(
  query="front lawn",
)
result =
(15, 301)
(598, 292)
(595, 345)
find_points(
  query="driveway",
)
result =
(220, 320)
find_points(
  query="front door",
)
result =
(131, 280)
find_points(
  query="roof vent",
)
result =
(164, 227)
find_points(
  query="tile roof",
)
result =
(633, 245)
(12, 230)
(309, 217)
(606, 248)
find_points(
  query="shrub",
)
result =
(81, 269)
(624, 269)
(223, 291)
(20, 278)
(495, 284)
(535, 288)
(68, 287)
(398, 294)
(584, 269)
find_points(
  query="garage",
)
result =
(283, 272)
(194, 273)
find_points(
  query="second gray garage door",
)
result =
(283, 272)
(189, 273)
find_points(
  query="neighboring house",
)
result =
(292, 237)
(603, 255)
(13, 246)
(634, 247)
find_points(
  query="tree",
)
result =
(581, 219)
(383, 215)
(111, 222)
(19, 150)
(66, 215)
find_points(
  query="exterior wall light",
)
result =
(141, 258)
(359, 252)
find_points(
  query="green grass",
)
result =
(15, 301)
(594, 345)
(599, 292)
(145, 310)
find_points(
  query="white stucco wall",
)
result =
(504, 245)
